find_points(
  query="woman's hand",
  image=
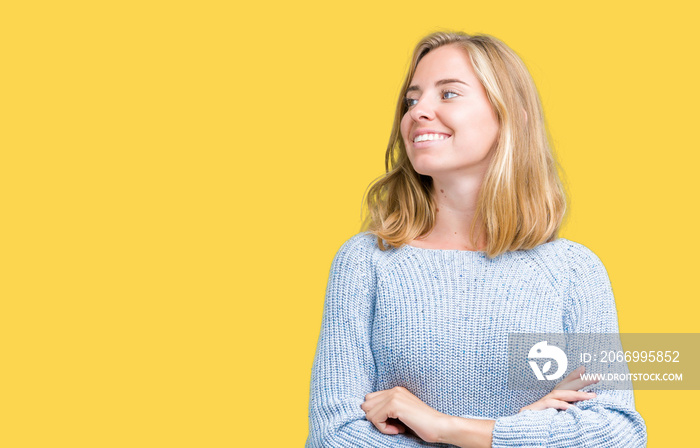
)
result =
(564, 393)
(392, 411)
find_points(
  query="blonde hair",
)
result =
(521, 202)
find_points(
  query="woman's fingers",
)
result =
(559, 399)
(571, 395)
(377, 411)
(570, 378)
(573, 380)
(565, 393)
(383, 409)
(547, 404)
(580, 384)
(393, 426)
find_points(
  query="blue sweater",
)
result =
(437, 322)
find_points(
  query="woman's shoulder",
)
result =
(358, 246)
(570, 260)
(362, 244)
(361, 255)
(364, 247)
(567, 265)
(579, 255)
(564, 249)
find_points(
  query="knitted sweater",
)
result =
(437, 322)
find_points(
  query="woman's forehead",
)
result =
(446, 62)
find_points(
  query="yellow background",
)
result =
(177, 176)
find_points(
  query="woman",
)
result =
(462, 250)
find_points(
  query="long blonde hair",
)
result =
(521, 202)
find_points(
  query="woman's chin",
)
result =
(428, 170)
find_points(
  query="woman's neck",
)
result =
(456, 209)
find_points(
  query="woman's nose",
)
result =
(423, 110)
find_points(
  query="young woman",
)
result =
(462, 250)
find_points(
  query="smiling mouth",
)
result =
(429, 137)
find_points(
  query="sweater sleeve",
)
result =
(610, 419)
(344, 370)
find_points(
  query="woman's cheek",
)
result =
(404, 130)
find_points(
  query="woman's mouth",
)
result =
(424, 137)
(430, 137)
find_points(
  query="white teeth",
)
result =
(424, 137)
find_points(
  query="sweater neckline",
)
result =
(444, 251)
(478, 253)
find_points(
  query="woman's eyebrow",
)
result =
(439, 83)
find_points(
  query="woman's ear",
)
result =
(525, 113)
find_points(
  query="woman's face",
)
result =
(450, 126)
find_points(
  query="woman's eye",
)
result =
(446, 95)
(410, 102)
